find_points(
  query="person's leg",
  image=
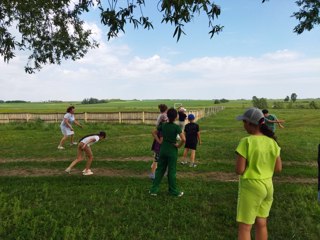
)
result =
(71, 139)
(153, 167)
(154, 164)
(161, 169)
(78, 159)
(244, 231)
(192, 156)
(63, 139)
(89, 156)
(261, 228)
(184, 156)
(172, 172)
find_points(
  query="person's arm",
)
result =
(66, 122)
(278, 165)
(182, 140)
(77, 123)
(241, 164)
(199, 138)
(155, 136)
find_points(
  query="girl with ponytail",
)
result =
(257, 158)
(85, 146)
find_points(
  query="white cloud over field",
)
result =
(111, 71)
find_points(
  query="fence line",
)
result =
(113, 117)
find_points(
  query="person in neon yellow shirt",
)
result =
(257, 158)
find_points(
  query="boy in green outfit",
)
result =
(168, 153)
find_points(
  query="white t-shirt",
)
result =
(70, 118)
(87, 139)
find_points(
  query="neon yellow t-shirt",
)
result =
(261, 153)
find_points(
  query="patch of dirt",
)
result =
(208, 176)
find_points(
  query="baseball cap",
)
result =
(252, 115)
(191, 117)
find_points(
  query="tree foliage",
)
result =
(53, 31)
(93, 101)
(294, 97)
(260, 103)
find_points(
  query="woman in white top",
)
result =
(66, 127)
(84, 146)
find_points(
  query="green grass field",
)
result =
(39, 201)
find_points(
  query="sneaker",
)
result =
(180, 194)
(152, 176)
(87, 173)
(192, 165)
(183, 163)
(60, 147)
(153, 194)
(68, 170)
(74, 143)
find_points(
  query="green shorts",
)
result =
(255, 199)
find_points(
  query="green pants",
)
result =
(167, 159)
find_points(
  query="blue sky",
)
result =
(257, 54)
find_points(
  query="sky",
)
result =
(256, 54)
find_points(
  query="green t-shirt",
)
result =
(261, 153)
(169, 132)
(271, 125)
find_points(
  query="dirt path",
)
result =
(207, 176)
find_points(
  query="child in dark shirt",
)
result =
(192, 134)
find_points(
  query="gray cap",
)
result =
(252, 115)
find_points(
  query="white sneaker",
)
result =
(68, 170)
(60, 147)
(74, 143)
(180, 194)
(87, 173)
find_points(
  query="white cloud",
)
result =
(112, 72)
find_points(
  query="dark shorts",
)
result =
(191, 145)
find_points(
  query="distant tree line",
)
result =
(217, 101)
(288, 102)
(95, 100)
(14, 101)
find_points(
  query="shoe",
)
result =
(183, 163)
(152, 176)
(192, 165)
(60, 147)
(68, 170)
(74, 143)
(153, 194)
(87, 173)
(180, 194)
(84, 170)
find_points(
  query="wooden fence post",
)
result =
(120, 120)
(85, 117)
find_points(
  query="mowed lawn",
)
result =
(112, 206)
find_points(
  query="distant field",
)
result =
(135, 105)
(145, 105)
